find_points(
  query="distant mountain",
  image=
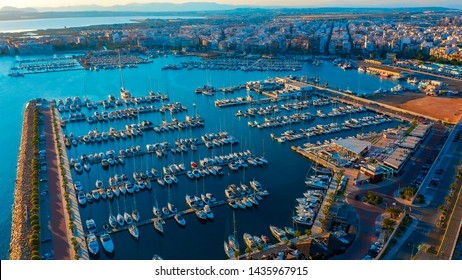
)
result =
(17, 10)
(145, 7)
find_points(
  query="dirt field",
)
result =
(443, 108)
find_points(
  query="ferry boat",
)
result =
(107, 243)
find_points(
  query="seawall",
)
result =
(21, 228)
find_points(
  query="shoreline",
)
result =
(20, 226)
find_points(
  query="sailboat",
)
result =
(120, 218)
(233, 243)
(135, 212)
(158, 225)
(133, 229)
(124, 93)
(180, 220)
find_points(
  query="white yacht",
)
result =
(249, 240)
(107, 243)
(278, 233)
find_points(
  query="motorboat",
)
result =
(289, 231)
(133, 229)
(91, 225)
(78, 186)
(92, 243)
(110, 194)
(95, 194)
(78, 168)
(180, 220)
(233, 204)
(265, 239)
(208, 212)
(89, 197)
(160, 181)
(81, 198)
(249, 240)
(99, 184)
(201, 215)
(256, 185)
(211, 198)
(107, 243)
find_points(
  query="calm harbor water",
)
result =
(55, 23)
(283, 176)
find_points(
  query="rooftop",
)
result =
(353, 145)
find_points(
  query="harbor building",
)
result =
(352, 146)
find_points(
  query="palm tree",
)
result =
(308, 231)
(237, 254)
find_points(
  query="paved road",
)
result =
(427, 232)
(58, 226)
(368, 214)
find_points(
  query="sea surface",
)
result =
(283, 176)
(56, 23)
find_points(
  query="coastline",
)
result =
(20, 227)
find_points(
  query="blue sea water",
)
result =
(283, 176)
(57, 23)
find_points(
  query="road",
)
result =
(58, 225)
(426, 231)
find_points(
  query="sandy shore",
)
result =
(21, 229)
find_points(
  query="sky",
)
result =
(304, 3)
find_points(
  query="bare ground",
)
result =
(443, 108)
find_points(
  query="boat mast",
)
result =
(120, 71)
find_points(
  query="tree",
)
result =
(388, 223)
(297, 233)
(248, 250)
(393, 211)
(308, 231)
(237, 254)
